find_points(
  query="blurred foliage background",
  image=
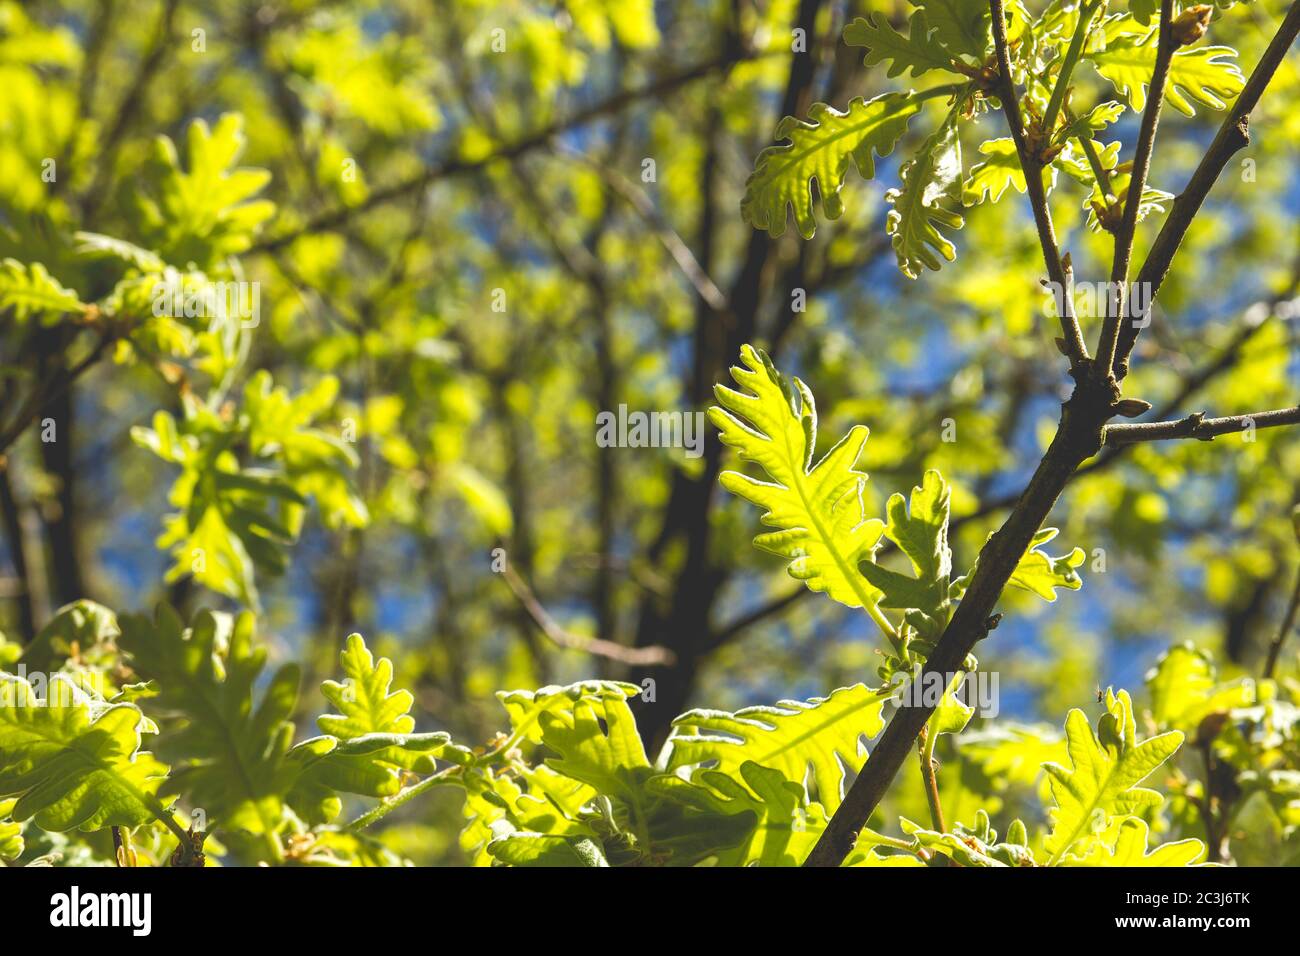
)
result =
(462, 258)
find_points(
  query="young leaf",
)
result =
(1043, 574)
(231, 749)
(207, 213)
(823, 528)
(1124, 843)
(526, 707)
(922, 535)
(990, 179)
(597, 744)
(804, 740)
(785, 825)
(29, 290)
(367, 746)
(931, 180)
(1106, 769)
(918, 50)
(1184, 689)
(11, 832)
(525, 799)
(71, 763)
(1208, 75)
(962, 26)
(820, 150)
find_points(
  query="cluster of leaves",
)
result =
(246, 469)
(570, 783)
(72, 756)
(142, 712)
(823, 530)
(950, 42)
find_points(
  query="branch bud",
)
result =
(1190, 25)
(1131, 407)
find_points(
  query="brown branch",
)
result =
(1032, 167)
(648, 656)
(1233, 135)
(1253, 319)
(127, 110)
(1077, 439)
(668, 237)
(1166, 44)
(13, 531)
(1198, 426)
(58, 383)
(1288, 623)
(613, 104)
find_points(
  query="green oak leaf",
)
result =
(1184, 689)
(207, 212)
(921, 533)
(917, 50)
(1041, 573)
(931, 182)
(1125, 842)
(72, 762)
(1208, 75)
(29, 291)
(990, 179)
(366, 748)
(821, 149)
(231, 749)
(817, 509)
(962, 26)
(1105, 771)
(11, 832)
(811, 740)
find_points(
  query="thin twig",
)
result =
(1032, 167)
(1127, 231)
(128, 109)
(1198, 426)
(56, 386)
(1233, 135)
(1288, 624)
(650, 656)
(925, 753)
(671, 240)
(380, 196)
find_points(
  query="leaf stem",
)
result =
(930, 779)
(1086, 13)
(381, 810)
(1089, 148)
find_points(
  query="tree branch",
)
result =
(1118, 299)
(1198, 426)
(378, 197)
(1032, 167)
(652, 655)
(1288, 622)
(1234, 134)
